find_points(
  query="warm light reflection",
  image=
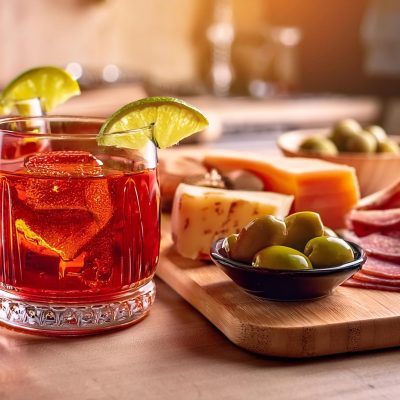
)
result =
(111, 73)
(75, 69)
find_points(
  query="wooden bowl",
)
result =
(374, 171)
(287, 285)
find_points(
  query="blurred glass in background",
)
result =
(253, 65)
(258, 48)
(380, 32)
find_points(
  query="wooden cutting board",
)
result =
(347, 321)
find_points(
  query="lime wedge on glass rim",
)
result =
(171, 120)
(5, 107)
(51, 85)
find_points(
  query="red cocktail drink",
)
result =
(79, 227)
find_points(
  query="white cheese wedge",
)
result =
(201, 215)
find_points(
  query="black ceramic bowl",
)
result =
(286, 285)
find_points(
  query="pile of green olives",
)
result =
(348, 136)
(298, 242)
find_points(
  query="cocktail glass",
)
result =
(79, 227)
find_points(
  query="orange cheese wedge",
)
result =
(327, 188)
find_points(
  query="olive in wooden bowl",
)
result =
(375, 157)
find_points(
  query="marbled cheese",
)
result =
(201, 215)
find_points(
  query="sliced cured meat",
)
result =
(381, 268)
(383, 218)
(387, 198)
(386, 247)
(381, 246)
(363, 277)
(367, 285)
(394, 233)
(362, 229)
(365, 222)
(375, 226)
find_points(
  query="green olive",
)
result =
(377, 132)
(281, 257)
(301, 227)
(361, 143)
(388, 146)
(327, 251)
(228, 243)
(256, 235)
(319, 145)
(329, 232)
(342, 130)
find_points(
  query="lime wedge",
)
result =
(5, 108)
(132, 139)
(171, 120)
(52, 85)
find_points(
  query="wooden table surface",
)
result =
(175, 353)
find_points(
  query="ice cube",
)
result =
(64, 164)
(63, 209)
(71, 180)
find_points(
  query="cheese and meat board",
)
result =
(352, 318)
(349, 320)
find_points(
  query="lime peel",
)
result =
(171, 119)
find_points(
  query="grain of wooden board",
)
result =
(349, 320)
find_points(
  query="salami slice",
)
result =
(385, 199)
(381, 246)
(386, 247)
(363, 277)
(381, 218)
(395, 233)
(381, 268)
(365, 222)
(366, 285)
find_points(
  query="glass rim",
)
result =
(61, 135)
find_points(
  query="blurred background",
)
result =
(257, 66)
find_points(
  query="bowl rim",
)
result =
(324, 132)
(217, 256)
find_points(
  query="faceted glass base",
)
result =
(76, 319)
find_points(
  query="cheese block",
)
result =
(201, 215)
(327, 188)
